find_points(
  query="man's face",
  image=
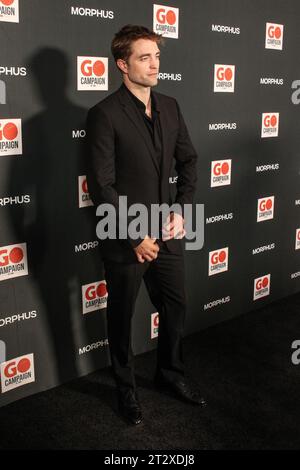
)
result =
(143, 64)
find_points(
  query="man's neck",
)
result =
(142, 93)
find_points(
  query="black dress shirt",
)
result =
(152, 124)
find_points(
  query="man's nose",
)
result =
(154, 63)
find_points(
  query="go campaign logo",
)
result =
(265, 208)
(269, 125)
(10, 137)
(218, 261)
(165, 21)
(94, 296)
(92, 73)
(9, 11)
(262, 286)
(224, 78)
(274, 36)
(297, 247)
(220, 173)
(83, 192)
(17, 372)
(13, 261)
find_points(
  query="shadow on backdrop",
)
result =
(52, 224)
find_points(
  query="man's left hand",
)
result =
(173, 227)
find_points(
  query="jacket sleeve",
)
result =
(101, 175)
(185, 165)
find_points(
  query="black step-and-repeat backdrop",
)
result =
(233, 66)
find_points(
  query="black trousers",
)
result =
(165, 282)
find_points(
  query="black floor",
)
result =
(245, 371)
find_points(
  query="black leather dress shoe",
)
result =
(129, 406)
(181, 389)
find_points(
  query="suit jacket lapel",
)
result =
(134, 115)
(165, 162)
(163, 128)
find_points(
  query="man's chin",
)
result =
(153, 82)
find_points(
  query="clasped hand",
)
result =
(173, 227)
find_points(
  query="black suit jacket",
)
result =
(121, 161)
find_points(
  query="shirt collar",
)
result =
(140, 103)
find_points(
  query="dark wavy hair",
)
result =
(123, 39)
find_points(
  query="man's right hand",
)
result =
(147, 250)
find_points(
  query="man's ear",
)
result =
(122, 65)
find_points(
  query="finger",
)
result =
(178, 236)
(167, 219)
(167, 231)
(181, 234)
(169, 226)
(178, 227)
(153, 251)
(178, 233)
(167, 237)
(152, 254)
(168, 234)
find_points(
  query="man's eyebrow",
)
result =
(148, 54)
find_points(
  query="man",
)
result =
(133, 137)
